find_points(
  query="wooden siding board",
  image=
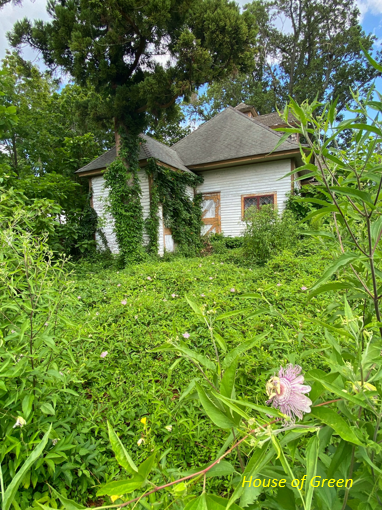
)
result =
(233, 182)
(100, 196)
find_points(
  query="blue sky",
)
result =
(371, 20)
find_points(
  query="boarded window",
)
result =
(211, 213)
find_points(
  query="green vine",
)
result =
(181, 213)
(125, 205)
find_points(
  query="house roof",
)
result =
(274, 119)
(149, 149)
(229, 135)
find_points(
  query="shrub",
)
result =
(268, 233)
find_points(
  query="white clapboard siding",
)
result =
(233, 182)
(100, 196)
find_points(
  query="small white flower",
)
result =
(97, 313)
(55, 441)
(20, 422)
(79, 297)
(140, 441)
(168, 427)
(13, 331)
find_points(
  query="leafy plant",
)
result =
(268, 233)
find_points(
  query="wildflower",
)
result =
(304, 288)
(13, 331)
(271, 325)
(119, 285)
(135, 316)
(278, 285)
(211, 278)
(213, 263)
(79, 297)
(20, 422)
(149, 277)
(104, 354)
(203, 295)
(46, 324)
(140, 441)
(232, 290)
(97, 313)
(164, 299)
(61, 373)
(173, 295)
(168, 427)
(200, 265)
(55, 441)
(144, 420)
(124, 302)
(186, 335)
(90, 336)
(286, 392)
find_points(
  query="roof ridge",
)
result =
(201, 125)
(252, 119)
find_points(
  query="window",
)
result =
(257, 201)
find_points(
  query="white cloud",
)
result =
(12, 13)
(372, 6)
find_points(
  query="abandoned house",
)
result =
(232, 152)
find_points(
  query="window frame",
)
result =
(253, 195)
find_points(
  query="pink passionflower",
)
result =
(103, 354)
(124, 302)
(286, 392)
(304, 288)
(232, 290)
(186, 335)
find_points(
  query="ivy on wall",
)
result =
(182, 214)
(125, 205)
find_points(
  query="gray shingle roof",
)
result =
(228, 135)
(150, 148)
(273, 119)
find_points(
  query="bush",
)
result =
(268, 233)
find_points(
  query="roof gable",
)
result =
(149, 148)
(229, 135)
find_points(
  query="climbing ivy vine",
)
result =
(125, 205)
(182, 214)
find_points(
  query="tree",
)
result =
(120, 47)
(307, 48)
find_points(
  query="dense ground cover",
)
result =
(128, 313)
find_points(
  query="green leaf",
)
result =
(280, 455)
(121, 487)
(197, 309)
(327, 287)
(256, 462)
(311, 469)
(261, 409)
(343, 260)
(354, 193)
(47, 408)
(227, 385)
(68, 504)
(145, 468)
(27, 405)
(220, 340)
(123, 458)
(343, 450)
(216, 415)
(337, 423)
(12, 488)
(226, 315)
(228, 402)
(320, 376)
(224, 468)
(245, 346)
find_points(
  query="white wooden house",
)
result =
(233, 153)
